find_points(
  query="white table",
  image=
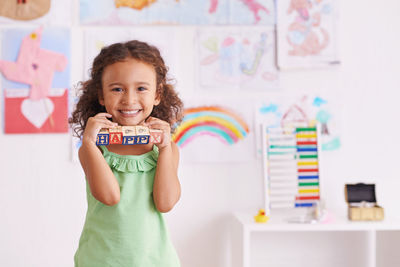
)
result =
(341, 223)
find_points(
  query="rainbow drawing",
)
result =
(214, 121)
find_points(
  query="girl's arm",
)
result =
(166, 188)
(102, 182)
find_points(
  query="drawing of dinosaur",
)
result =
(301, 36)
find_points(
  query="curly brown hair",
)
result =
(170, 107)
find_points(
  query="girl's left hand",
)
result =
(154, 123)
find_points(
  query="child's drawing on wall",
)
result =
(306, 33)
(232, 59)
(35, 68)
(215, 131)
(303, 111)
(303, 31)
(192, 12)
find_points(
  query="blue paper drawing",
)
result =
(192, 12)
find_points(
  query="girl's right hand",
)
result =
(93, 126)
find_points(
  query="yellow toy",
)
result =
(261, 217)
(135, 4)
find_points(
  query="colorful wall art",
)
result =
(306, 33)
(303, 111)
(35, 68)
(46, 115)
(214, 121)
(192, 12)
(24, 10)
(36, 12)
(235, 59)
(215, 133)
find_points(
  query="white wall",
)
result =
(42, 193)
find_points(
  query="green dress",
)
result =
(133, 232)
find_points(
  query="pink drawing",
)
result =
(228, 41)
(301, 6)
(269, 76)
(213, 6)
(301, 36)
(294, 116)
(34, 66)
(255, 7)
(209, 59)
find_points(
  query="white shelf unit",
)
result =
(245, 227)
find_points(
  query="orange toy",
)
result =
(135, 4)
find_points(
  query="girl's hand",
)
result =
(154, 123)
(93, 126)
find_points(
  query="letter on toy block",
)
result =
(142, 135)
(128, 140)
(115, 138)
(115, 135)
(142, 139)
(103, 137)
(155, 136)
(129, 133)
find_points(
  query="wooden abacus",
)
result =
(128, 135)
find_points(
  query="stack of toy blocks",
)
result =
(128, 135)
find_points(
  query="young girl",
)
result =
(128, 186)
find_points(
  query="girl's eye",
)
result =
(117, 89)
(141, 88)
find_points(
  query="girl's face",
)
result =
(129, 91)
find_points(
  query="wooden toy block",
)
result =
(155, 136)
(115, 135)
(129, 130)
(128, 135)
(143, 135)
(103, 137)
(141, 130)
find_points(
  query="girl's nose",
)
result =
(130, 97)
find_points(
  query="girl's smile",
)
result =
(129, 91)
(130, 113)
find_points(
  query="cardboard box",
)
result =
(362, 204)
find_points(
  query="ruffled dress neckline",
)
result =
(131, 163)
